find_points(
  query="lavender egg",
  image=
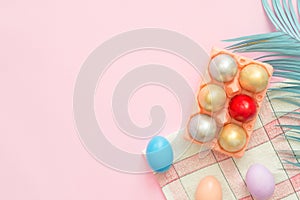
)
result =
(260, 182)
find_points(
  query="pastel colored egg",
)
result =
(202, 127)
(212, 97)
(223, 68)
(159, 154)
(260, 182)
(209, 188)
(254, 78)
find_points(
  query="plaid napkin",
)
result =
(181, 181)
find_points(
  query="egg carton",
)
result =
(232, 88)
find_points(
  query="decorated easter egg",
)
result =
(254, 78)
(159, 154)
(202, 127)
(232, 138)
(260, 182)
(209, 188)
(223, 68)
(212, 97)
(242, 108)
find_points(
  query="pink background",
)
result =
(42, 47)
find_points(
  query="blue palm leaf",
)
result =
(293, 131)
(292, 163)
(282, 50)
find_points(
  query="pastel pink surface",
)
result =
(43, 44)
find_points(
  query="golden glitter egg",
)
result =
(232, 138)
(212, 97)
(254, 78)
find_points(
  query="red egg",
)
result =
(242, 108)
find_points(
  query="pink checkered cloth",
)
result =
(181, 181)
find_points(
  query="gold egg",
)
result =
(212, 97)
(254, 78)
(232, 138)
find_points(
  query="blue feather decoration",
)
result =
(281, 49)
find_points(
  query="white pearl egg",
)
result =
(223, 68)
(202, 127)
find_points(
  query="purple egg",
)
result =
(260, 182)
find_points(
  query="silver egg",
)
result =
(223, 68)
(202, 127)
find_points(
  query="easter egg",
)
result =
(254, 78)
(232, 138)
(242, 108)
(223, 68)
(260, 182)
(159, 154)
(209, 188)
(212, 97)
(202, 127)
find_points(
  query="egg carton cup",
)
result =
(232, 88)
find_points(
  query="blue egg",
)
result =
(159, 154)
